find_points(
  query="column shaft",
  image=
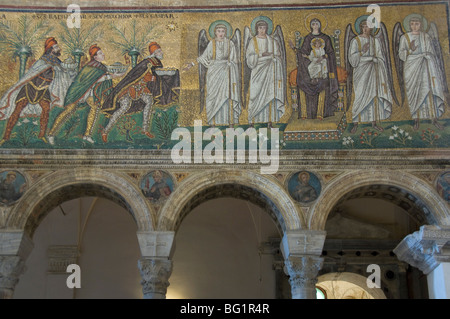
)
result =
(11, 267)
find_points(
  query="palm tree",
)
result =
(21, 39)
(136, 42)
(77, 40)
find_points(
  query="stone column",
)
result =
(155, 265)
(429, 250)
(11, 267)
(301, 251)
(15, 246)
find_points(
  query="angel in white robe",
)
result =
(266, 59)
(367, 55)
(221, 59)
(219, 74)
(421, 70)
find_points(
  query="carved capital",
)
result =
(302, 271)
(426, 248)
(11, 267)
(155, 275)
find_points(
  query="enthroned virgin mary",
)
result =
(318, 95)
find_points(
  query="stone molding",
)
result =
(415, 159)
(155, 273)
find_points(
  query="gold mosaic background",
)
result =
(177, 33)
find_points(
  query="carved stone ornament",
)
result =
(424, 249)
(155, 275)
(302, 273)
(303, 270)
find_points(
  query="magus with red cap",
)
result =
(42, 87)
(93, 81)
(136, 92)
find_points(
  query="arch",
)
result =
(352, 286)
(63, 185)
(432, 206)
(200, 187)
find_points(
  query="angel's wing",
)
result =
(397, 34)
(202, 44)
(236, 40)
(349, 35)
(246, 69)
(384, 41)
(433, 33)
(278, 35)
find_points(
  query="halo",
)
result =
(322, 42)
(213, 26)
(318, 16)
(263, 18)
(358, 22)
(408, 18)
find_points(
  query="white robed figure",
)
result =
(421, 70)
(318, 68)
(265, 72)
(368, 58)
(219, 68)
(220, 61)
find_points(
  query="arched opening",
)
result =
(98, 235)
(414, 195)
(263, 191)
(347, 286)
(363, 228)
(57, 187)
(68, 193)
(228, 232)
(236, 191)
(225, 248)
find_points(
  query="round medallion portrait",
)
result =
(157, 185)
(12, 187)
(443, 185)
(304, 187)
